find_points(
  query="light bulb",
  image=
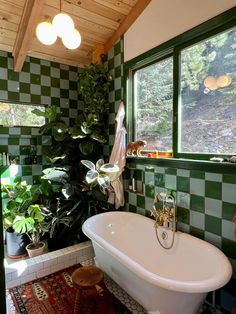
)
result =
(45, 33)
(72, 40)
(63, 24)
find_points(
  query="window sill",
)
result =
(182, 163)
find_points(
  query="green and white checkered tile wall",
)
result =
(40, 82)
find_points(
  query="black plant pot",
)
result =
(16, 244)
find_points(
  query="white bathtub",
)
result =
(162, 281)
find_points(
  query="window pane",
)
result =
(20, 115)
(153, 97)
(207, 115)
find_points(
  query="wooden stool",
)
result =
(86, 278)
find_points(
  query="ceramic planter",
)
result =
(16, 244)
(32, 252)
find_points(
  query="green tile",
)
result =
(138, 174)
(117, 48)
(111, 63)
(55, 65)
(64, 74)
(55, 82)
(213, 224)
(118, 94)
(117, 72)
(45, 70)
(229, 248)
(35, 79)
(3, 85)
(64, 93)
(112, 128)
(34, 60)
(140, 201)
(148, 213)
(35, 99)
(183, 215)
(197, 174)
(45, 91)
(24, 150)
(183, 184)
(26, 170)
(12, 75)
(229, 178)
(197, 203)
(213, 189)
(171, 171)
(196, 232)
(55, 101)
(65, 112)
(24, 88)
(13, 141)
(159, 179)
(26, 67)
(4, 62)
(228, 211)
(73, 85)
(73, 104)
(26, 130)
(132, 208)
(149, 190)
(13, 96)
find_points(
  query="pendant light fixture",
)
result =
(62, 26)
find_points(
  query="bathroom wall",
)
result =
(165, 19)
(40, 82)
(206, 199)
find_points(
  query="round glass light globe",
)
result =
(63, 24)
(45, 33)
(210, 81)
(224, 80)
(72, 40)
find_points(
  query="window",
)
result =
(185, 100)
(153, 103)
(21, 115)
(207, 108)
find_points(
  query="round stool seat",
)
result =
(87, 276)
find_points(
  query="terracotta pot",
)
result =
(32, 252)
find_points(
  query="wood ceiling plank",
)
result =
(26, 30)
(8, 17)
(129, 20)
(5, 47)
(8, 26)
(7, 33)
(7, 41)
(90, 16)
(19, 3)
(130, 2)
(118, 6)
(10, 8)
(92, 6)
(80, 62)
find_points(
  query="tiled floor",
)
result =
(132, 305)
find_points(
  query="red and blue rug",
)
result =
(54, 294)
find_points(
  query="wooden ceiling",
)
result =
(100, 22)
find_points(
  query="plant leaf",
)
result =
(91, 176)
(23, 225)
(103, 180)
(86, 148)
(89, 164)
(99, 163)
(109, 168)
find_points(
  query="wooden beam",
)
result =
(128, 21)
(29, 20)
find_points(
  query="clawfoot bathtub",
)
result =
(162, 281)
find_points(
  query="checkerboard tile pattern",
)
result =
(40, 82)
(206, 202)
(115, 67)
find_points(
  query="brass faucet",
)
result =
(166, 216)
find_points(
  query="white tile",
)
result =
(44, 272)
(229, 193)
(213, 239)
(57, 267)
(13, 283)
(170, 181)
(183, 173)
(197, 186)
(213, 207)
(183, 200)
(228, 228)
(36, 267)
(213, 176)
(27, 278)
(197, 219)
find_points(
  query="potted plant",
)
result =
(21, 196)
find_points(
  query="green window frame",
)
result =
(217, 25)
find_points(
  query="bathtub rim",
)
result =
(190, 286)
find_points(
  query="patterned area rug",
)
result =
(54, 294)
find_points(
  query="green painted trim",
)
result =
(188, 164)
(215, 22)
(2, 270)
